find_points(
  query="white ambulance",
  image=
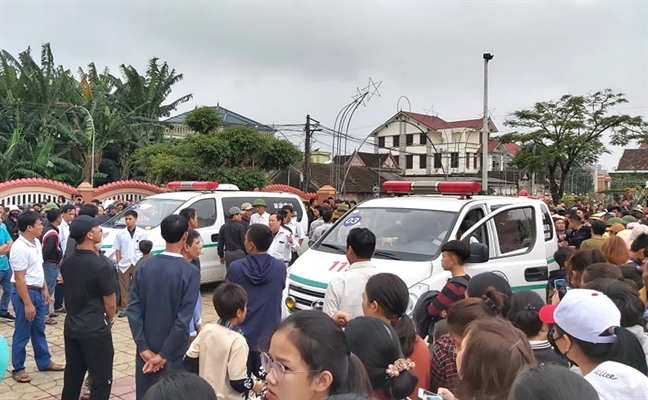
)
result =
(516, 239)
(211, 202)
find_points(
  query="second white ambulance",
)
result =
(517, 235)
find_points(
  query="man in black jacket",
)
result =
(52, 254)
(579, 232)
(231, 238)
(91, 312)
(11, 222)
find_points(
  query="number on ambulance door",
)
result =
(515, 229)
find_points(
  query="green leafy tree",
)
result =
(203, 120)
(236, 155)
(47, 104)
(278, 155)
(569, 132)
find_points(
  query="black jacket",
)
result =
(12, 228)
(577, 237)
(51, 246)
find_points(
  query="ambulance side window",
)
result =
(205, 211)
(515, 229)
(481, 234)
(547, 224)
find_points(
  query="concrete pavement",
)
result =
(49, 385)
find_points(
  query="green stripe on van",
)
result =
(529, 287)
(109, 246)
(308, 281)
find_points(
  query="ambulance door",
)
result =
(211, 268)
(516, 248)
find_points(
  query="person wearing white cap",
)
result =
(586, 329)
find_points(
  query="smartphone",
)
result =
(561, 286)
(427, 395)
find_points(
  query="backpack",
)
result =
(423, 321)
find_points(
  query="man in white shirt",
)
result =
(283, 242)
(127, 253)
(294, 228)
(261, 216)
(30, 298)
(344, 292)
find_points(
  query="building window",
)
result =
(423, 139)
(409, 139)
(396, 141)
(476, 160)
(381, 142)
(423, 161)
(409, 161)
(467, 160)
(454, 160)
(437, 161)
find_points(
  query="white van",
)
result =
(211, 202)
(516, 235)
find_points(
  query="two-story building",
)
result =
(426, 145)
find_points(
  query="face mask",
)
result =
(556, 350)
(14, 214)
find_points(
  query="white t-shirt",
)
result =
(262, 219)
(280, 248)
(64, 234)
(296, 229)
(613, 380)
(27, 256)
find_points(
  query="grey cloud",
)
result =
(277, 61)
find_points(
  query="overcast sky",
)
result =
(276, 61)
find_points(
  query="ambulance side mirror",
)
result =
(478, 253)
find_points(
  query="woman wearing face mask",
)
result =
(11, 222)
(587, 330)
(309, 359)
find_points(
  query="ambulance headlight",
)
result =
(414, 293)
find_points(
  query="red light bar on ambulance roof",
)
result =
(193, 185)
(432, 187)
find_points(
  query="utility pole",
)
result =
(309, 128)
(307, 153)
(485, 127)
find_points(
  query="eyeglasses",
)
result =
(278, 369)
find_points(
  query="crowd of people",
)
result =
(477, 339)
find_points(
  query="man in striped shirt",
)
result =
(454, 255)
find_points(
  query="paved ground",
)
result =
(48, 385)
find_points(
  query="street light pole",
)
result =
(485, 127)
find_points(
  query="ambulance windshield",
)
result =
(150, 212)
(401, 233)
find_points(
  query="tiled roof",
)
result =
(634, 160)
(359, 179)
(492, 145)
(372, 160)
(39, 182)
(127, 184)
(229, 118)
(436, 123)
